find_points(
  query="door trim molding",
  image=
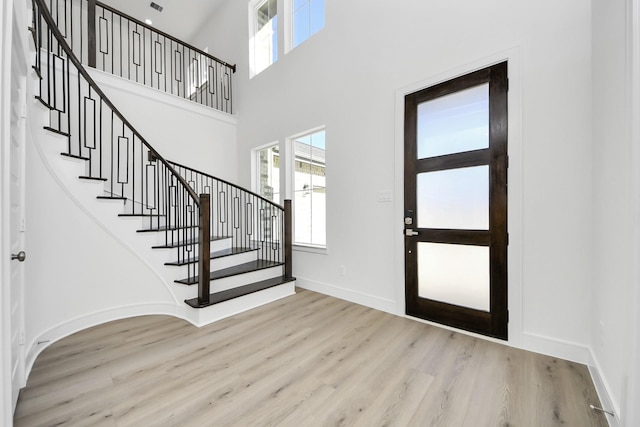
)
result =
(515, 226)
(6, 19)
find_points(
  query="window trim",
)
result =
(290, 189)
(288, 26)
(255, 176)
(253, 7)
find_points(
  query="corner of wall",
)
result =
(555, 347)
(603, 388)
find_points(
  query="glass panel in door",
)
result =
(454, 274)
(454, 123)
(454, 198)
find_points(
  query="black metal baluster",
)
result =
(101, 156)
(79, 138)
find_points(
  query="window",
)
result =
(268, 173)
(198, 72)
(309, 189)
(264, 35)
(308, 18)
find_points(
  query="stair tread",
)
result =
(166, 228)
(218, 297)
(214, 255)
(141, 215)
(247, 267)
(111, 198)
(185, 242)
(59, 132)
(74, 156)
(43, 102)
(92, 178)
(37, 71)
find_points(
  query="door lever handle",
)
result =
(20, 256)
(409, 232)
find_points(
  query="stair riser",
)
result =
(145, 222)
(232, 260)
(225, 309)
(164, 237)
(215, 245)
(242, 279)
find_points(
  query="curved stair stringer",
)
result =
(166, 299)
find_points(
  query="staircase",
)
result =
(217, 247)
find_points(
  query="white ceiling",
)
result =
(179, 18)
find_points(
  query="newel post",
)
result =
(91, 31)
(288, 240)
(204, 250)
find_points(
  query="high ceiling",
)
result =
(179, 18)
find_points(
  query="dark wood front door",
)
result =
(455, 196)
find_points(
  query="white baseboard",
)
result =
(554, 347)
(71, 326)
(382, 304)
(197, 317)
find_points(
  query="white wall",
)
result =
(347, 76)
(180, 130)
(615, 246)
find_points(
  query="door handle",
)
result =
(409, 232)
(20, 256)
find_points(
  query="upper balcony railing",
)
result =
(111, 41)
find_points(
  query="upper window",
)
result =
(309, 189)
(198, 72)
(307, 18)
(264, 34)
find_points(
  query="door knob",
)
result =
(20, 256)
(410, 232)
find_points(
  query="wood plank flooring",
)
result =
(306, 360)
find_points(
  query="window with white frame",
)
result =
(268, 172)
(309, 189)
(198, 72)
(264, 34)
(307, 19)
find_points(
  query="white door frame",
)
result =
(13, 52)
(6, 25)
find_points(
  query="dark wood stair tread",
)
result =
(43, 102)
(111, 198)
(247, 267)
(59, 132)
(166, 228)
(141, 215)
(92, 178)
(37, 71)
(184, 243)
(73, 156)
(214, 255)
(218, 297)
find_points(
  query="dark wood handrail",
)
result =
(162, 33)
(46, 14)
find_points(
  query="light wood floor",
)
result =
(307, 360)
